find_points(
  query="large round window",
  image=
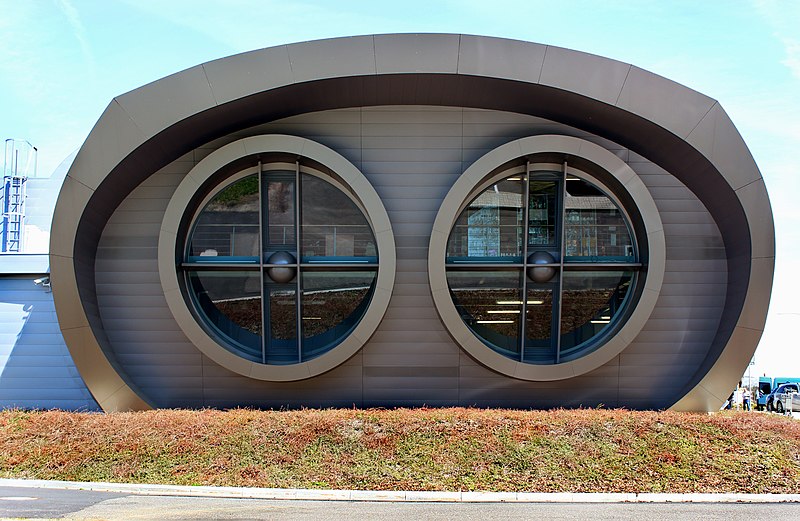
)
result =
(282, 270)
(280, 264)
(540, 264)
(546, 258)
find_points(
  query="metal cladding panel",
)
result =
(36, 370)
(412, 155)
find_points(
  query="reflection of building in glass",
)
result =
(570, 307)
(399, 220)
(593, 228)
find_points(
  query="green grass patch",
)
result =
(411, 449)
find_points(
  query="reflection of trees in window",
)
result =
(280, 197)
(539, 313)
(244, 312)
(324, 310)
(302, 288)
(574, 260)
(237, 195)
(228, 224)
(283, 315)
(337, 227)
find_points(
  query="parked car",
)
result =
(776, 401)
(765, 385)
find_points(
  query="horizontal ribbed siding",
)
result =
(411, 155)
(36, 370)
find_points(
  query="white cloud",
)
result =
(243, 25)
(74, 20)
(792, 56)
(784, 19)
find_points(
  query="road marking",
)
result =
(18, 498)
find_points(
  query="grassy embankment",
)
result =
(411, 449)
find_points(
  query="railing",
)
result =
(316, 240)
(13, 205)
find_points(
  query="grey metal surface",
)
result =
(36, 370)
(411, 360)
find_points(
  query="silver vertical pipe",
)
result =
(562, 235)
(298, 287)
(525, 213)
(261, 260)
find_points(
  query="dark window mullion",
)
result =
(604, 266)
(297, 231)
(525, 213)
(219, 266)
(562, 192)
(500, 266)
(335, 265)
(351, 267)
(261, 259)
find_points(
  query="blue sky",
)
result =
(62, 61)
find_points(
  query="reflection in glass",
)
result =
(539, 345)
(332, 302)
(282, 320)
(542, 206)
(225, 236)
(280, 214)
(594, 226)
(561, 321)
(489, 303)
(590, 300)
(230, 302)
(333, 226)
(491, 226)
(228, 225)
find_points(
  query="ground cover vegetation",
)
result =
(411, 449)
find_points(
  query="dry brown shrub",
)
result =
(426, 448)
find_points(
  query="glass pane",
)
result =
(539, 344)
(590, 302)
(282, 320)
(280, 212)
(230, 302)
(333, 226)
(228, 225)
(332, 302)
(595, 228)
(491, 226)
(542, 212)
(490, 304)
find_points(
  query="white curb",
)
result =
(397, 496)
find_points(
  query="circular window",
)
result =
(283, 269)
(280, 264)
(541, 266)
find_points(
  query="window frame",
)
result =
(525, 174)
(499, 164)
(213, 174)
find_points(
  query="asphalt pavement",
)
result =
(48, 503)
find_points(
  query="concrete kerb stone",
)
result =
(397, 496)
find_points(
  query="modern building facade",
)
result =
(408, 220)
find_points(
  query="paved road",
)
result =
(33, 503)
